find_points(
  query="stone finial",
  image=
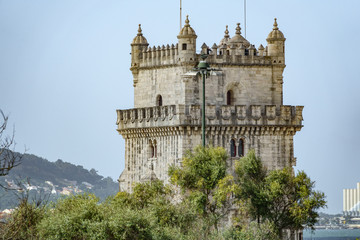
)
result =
(187, 21)
(204, 45)
(275, 25)
(139, 31)
(226, 32)
(261, 47)
(214, 46)
(238, 29)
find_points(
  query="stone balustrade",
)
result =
(179, 115)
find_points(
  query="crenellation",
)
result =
(225, 115)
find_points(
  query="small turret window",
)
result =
(159, 101)
(152, 149)
(241, 148)
(246, 52)
(229, 98)
(232, 148)
(184, 46)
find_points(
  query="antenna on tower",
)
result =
(245, 17)
(180, 15)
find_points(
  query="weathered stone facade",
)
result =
(244, 104)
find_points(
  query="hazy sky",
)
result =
(64, 70)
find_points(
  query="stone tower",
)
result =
(244, 104)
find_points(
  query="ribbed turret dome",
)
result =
(237, 39)
(139, 39)
(187, 31)
(275, 34)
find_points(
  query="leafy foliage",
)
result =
(286, 200)
(277, 199)
(251, 177)
(203, 178)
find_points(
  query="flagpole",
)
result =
(245, 16)
(180, 15)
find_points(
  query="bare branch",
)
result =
(8, 158)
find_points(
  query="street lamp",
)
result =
(204, 69)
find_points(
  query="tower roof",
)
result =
(275, 34)
(139, 39)
(237, 39)
(187, 30)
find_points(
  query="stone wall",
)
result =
(171, 130)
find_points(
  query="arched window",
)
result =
(155, 148)
(159, 100)
(184, 46)
(232, 148)
(151, 149)
(241, 148)
(229, 97)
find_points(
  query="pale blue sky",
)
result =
(64, 70)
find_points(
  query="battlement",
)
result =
(235, 50)
(181, 115)
(159, 56)
(169, 55)
(237, 55)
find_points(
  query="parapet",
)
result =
(169, 55)
(190, 115)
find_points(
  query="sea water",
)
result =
(332, 234)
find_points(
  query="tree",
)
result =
(251, 179)
(286, 200)
(8, 158)
(203, 179)
(292, 200)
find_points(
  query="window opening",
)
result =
(241, 148)
(184, 46)
(159, 101)
(232, 148)
(229, 96)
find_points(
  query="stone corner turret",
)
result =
(187, 43)
(276, 45)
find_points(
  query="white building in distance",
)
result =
(351, 201)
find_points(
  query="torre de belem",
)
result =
(244, 104)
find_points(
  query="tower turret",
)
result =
(187, 42)
(137, 47)
(276, 44)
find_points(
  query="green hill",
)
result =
(51, 180)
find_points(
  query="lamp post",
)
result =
(203, 68)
